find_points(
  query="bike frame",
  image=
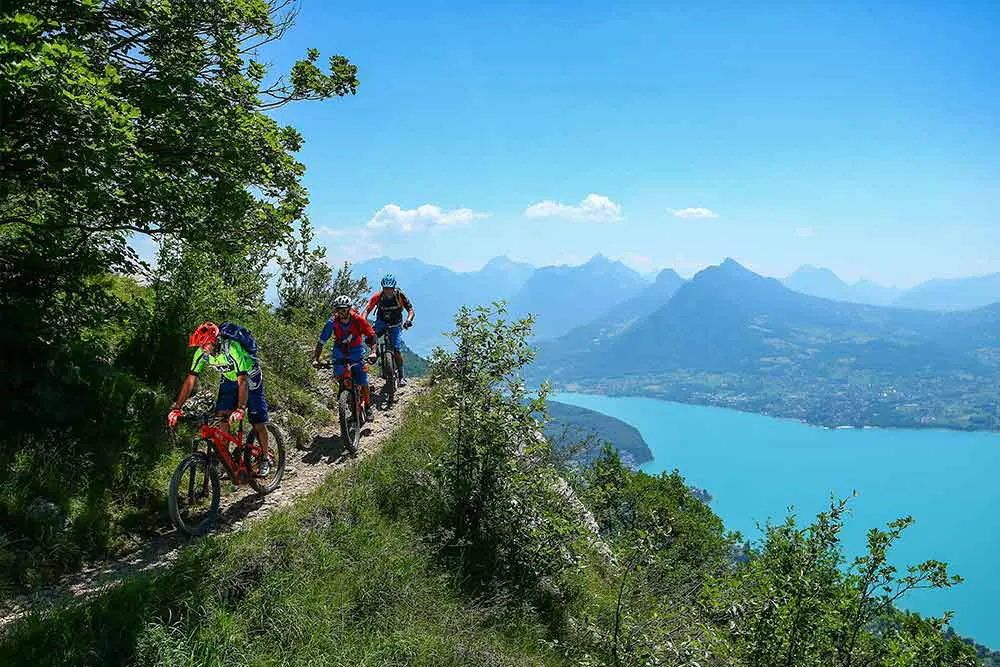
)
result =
(239, 472)
(346, 379)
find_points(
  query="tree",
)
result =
(305, 282)
(505, 516)
(124, 116)
(794, 604)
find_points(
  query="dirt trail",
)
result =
(305, 469)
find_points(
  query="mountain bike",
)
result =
(349, 408)
(194, 495)
(387, 364)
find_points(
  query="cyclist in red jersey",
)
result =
(349, 329)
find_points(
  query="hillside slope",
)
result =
(732, 337)
(564, 297)
(337, 578)
(953, 293)
(572, 424)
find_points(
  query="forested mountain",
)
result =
(564, 297)
(572, 425)
(732, 337)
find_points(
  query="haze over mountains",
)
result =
(732, 337)
(563, 297)
(937, 294)
(602, 297)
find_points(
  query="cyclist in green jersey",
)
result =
(242, 385)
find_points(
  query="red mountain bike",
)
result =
(194, 496)
(349, 408)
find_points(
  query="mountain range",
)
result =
(732, 337)
(561, 297)
(937, 294)
(603, 298)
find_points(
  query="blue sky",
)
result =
(860, 137)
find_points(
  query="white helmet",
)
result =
(342, 301)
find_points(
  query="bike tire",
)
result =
(196, 464)
(389, 374)
(276, 452)
(345, 410)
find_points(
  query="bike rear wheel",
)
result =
(350, 420)
(193, 498)
(275, 469)
(388, 364)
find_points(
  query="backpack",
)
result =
(241, 335)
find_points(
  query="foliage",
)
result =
(792, 604)
(666, 544)
(125, 118)
(357, 572)
(502, 513)
(340, 578)
(304, 284)
(130, 116)
(307, 285)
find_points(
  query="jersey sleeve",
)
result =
(366, 327)
(404, 301)
(198, 361)
(372, 301)
(327, 332)
(244, 362)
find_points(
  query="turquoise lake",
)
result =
(755, 467)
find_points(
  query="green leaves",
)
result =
(146, 118)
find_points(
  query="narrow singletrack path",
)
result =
(305, 469)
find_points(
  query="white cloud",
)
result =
(805, 232)
(423, 217)
(354, 244)
(691, 213)
(593, 208)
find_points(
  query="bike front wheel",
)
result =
(350, 421)
(267, 476)
(193, 498)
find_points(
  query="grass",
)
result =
(343, 577)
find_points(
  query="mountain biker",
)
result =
(348, 329)
(242, 384)
(391, 302)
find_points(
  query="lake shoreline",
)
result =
(758, 466)
(797, 420)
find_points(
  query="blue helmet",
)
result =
(389, 280)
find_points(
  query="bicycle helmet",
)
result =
(342, 301)
(389, 280)
(205, 334)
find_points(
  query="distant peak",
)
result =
(809, 268)
(729, 268)
(668, 275)
(599, 258)
(499, 260)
